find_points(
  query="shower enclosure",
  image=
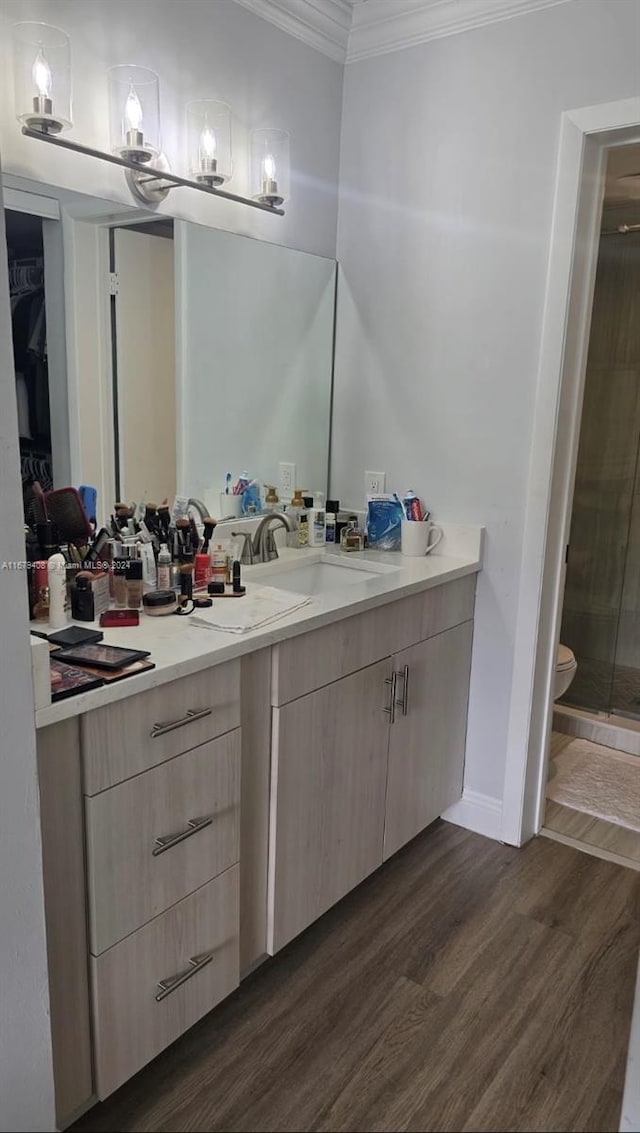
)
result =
(601, 611)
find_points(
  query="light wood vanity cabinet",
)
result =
(364, 763)
(191, 829)
(329, 767)
(428, 733)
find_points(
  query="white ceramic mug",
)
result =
(419, 538)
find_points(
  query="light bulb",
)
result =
(41, 75)
(208, 143)
(133, 110)
(269, 167)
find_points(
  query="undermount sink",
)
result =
(322, 577)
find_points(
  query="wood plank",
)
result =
(313, 660)
(369, 987)
(117, 740)
(254, 805)
(62, 826)
(128, 884)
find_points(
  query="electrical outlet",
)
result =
(287, 479)
(374, 482)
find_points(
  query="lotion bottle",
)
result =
(57, 575)
(317, 522)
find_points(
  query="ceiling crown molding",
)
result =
(323, 24)
(348, 30)
(381, 26)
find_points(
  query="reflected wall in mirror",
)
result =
(255, 360)
(191, 353)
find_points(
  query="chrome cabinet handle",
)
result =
(196, 964)
(403, 703)
(390, 709)
(188, 718)
(168, 840)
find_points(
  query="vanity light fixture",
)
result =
(43, 106)
(42, 74)
(208, 141)
(270, 167)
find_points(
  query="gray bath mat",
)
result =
(597, 781)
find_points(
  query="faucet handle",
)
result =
(247, 557)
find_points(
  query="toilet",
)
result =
(566, 666)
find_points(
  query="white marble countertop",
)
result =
(179, 648)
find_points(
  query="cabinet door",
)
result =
(427, 738)
(329, 767)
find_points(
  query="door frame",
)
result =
(585, 136)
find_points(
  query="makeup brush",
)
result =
(209, 525)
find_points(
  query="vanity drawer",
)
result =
(315, 659)
(154, 839)
(122, 739)
(137, 1011)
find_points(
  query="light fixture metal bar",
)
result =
(172, 179)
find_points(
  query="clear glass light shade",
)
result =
(134, 112)
(270, 166)
(208, 141)
(42, 70)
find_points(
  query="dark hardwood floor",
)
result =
(465, 986)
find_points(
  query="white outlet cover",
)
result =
(287, 477)
(374, 482)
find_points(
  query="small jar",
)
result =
(350, 538)
(157, 603)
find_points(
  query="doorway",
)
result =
(593, 783)
(586, 136)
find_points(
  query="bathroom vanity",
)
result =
(199, 816)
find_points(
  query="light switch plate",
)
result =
(374, 482)
(287, 479)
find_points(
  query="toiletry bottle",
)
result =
(82, 604)
(350, 538)
(317, 521)
(57, 574)
(41, 590)
(295, 509)
(164, 568)
(186, 574)
(271, 501)
(133, 584)
(333, 507)
(120, 565)
(303, 526)
(219, 564)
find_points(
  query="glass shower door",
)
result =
(601, 612)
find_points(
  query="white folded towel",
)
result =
(240, 615)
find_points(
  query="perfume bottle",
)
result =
(350, 538)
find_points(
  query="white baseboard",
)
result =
(477, 812)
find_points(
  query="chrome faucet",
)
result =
(264, 545)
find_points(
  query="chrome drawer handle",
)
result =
(196, 964)
(390, 708)
(168, 840)
(191, 715)
(404, 700)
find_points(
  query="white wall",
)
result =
(200, 49)
(447, 173)
(26, 1083)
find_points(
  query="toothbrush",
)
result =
(228, 483)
